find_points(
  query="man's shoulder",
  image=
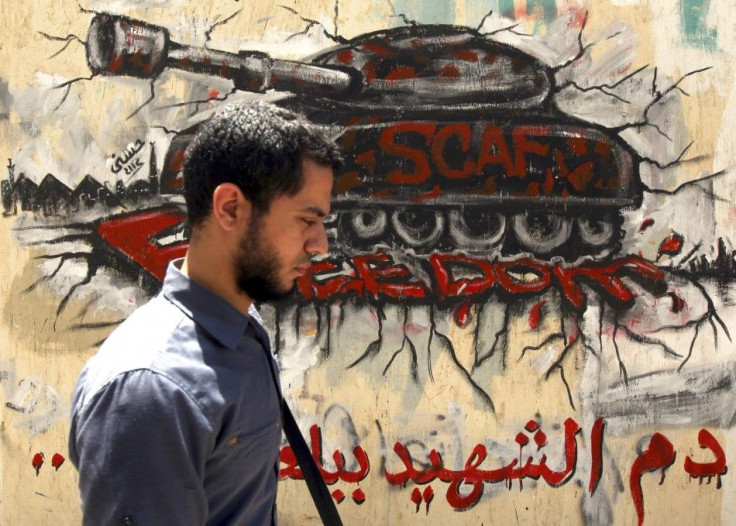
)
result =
(135, 343)
(156, 339)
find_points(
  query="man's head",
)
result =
(258, 147)
(257, 178)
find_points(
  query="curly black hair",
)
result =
(257, 146)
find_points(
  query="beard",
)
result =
(257, 267)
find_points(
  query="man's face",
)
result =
(279, 244)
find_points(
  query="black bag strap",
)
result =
(315, 483)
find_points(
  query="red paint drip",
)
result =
(358, 496)
(462, 315)
(522, 439)
(540, 439)
(660, 454)
(671, 246)
(574, 331)
(57, 460)
(213, 94)
(37, 462)
(648, 222)
(531, 426)
(596, 461)
(535, 314)
(677, 302)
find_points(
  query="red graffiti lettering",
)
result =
(462, 133)
(136, 237)
(359, 496)
(338, 495)
(596, 457)
(418, 157)
(513, 276)
(523, 145)
(310, 287)
(515, 159)
(377, 275)
(292, 470)
(659, 454)
(540, 469)
(606, 278)
(450, 287)
(428, 496)
(380, 280)
(466, 485)
(475, 477)
(416, 497)
(494, 151)
(717, 468)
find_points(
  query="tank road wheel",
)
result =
(596, 231)
(541, 233)
(477, 229)
(418, 227)
(368, 224)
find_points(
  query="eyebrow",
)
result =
(314, 210)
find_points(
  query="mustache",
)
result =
(304, 260)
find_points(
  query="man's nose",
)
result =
(317, 243)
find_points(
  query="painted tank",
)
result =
(452, 141)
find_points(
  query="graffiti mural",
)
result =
(527, 308)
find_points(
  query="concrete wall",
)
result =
(456, 367)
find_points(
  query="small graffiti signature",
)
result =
(126, 160)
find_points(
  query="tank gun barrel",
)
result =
(121, 46)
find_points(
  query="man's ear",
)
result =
(230, 208)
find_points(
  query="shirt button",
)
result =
(127, 521)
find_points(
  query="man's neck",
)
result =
(213, 270)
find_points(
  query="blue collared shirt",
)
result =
(177, 419)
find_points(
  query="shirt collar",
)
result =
(218, 317)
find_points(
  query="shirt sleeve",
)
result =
(140, 446)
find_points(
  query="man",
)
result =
(177, 419)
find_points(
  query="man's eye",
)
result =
(309, 222)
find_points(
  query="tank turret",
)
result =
(451, 140)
